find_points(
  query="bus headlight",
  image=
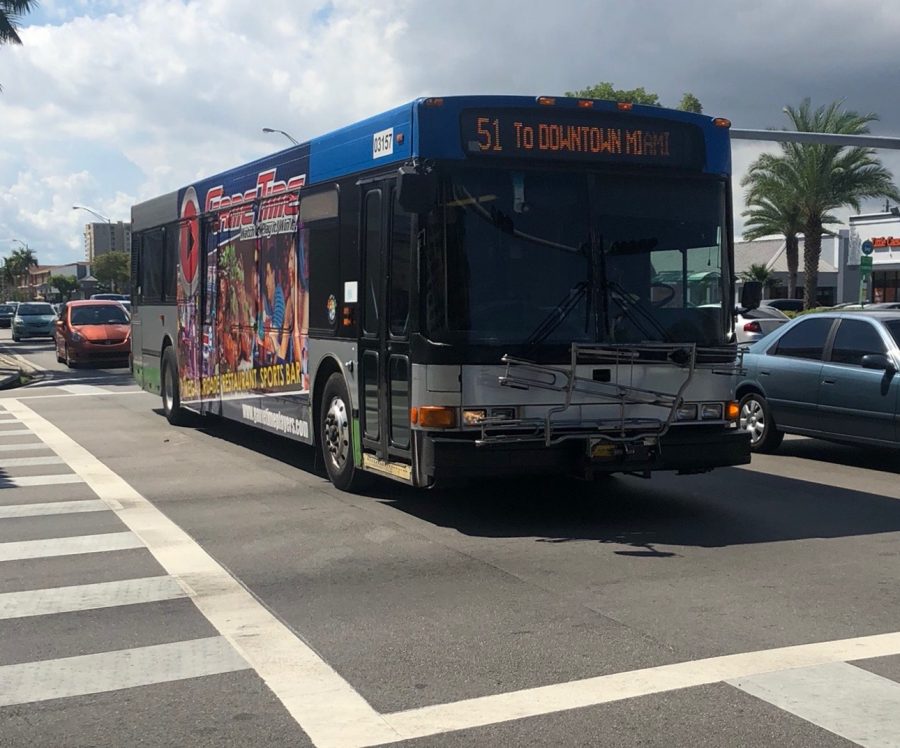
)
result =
(473, 417)
(687, 412)
(711, 412)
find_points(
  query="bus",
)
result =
(466, 286)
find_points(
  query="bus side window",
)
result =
(152, 248)
(136, 266)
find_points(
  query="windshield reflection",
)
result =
(549, 256)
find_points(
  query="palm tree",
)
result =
(771, 209)
(17, 264)
(11, 12)
(759, 272)
(820, 178)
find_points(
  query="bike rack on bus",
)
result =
(622, 358)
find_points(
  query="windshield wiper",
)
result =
(559, 313)
(634, 311)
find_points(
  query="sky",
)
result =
(110, 102)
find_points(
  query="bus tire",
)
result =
(336, 436)
(170, 390)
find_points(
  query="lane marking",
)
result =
(83, 389)
(327, 707)
(110, 541)
(843, 699)
(7, 462)
(10, 511)
(108, 393)
(23, 447)
(24, 481)
(13, 432)
(110, 671)
(532, 702)
(88, 597)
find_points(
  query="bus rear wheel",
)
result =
(170, 390)
(336, 436)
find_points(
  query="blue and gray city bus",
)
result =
(462, 286)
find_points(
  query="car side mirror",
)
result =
(877, 361)
(751, 294)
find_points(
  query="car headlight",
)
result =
(76, 337)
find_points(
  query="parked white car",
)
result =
(753, 324)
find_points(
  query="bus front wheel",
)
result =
(171, 392)
(336, 436)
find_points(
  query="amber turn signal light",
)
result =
(433, 416)
(732, 411)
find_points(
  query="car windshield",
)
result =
(524, 257)
(34, 310)
(99, 314)
(5, 309)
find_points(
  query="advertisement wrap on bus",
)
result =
(458, 287)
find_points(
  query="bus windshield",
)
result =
(531, 256)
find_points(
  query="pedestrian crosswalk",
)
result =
(222, 630)
(95, 672)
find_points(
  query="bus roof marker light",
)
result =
(585, 104)
(433, 102)
(546, 101)
(624, 106)
(722, 122)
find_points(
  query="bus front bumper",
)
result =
(685, 450)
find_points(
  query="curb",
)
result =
(11, 379)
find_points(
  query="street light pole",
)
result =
(91, 210)
(293, 140)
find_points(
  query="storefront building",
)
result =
(883, 231)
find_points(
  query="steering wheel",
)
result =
(670, 294)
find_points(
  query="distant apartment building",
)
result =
(100, 238)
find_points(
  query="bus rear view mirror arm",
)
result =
(417, 188)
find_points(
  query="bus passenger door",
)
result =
(386, 252)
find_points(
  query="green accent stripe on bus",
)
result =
(357, 445)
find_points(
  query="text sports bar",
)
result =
(577, 136)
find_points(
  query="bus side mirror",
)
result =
(751, 294)
(417, 191)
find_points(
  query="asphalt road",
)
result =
(207, 586)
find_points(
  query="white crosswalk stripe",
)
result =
(839, 697)
(52, 479)
(25, 549)
(52, 507)
(88, 597)
(111, 671)
(22, 447)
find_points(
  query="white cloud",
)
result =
(109, 102)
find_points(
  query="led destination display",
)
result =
(580, 136)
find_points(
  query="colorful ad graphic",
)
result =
(255, 312)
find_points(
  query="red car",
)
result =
(93, 331)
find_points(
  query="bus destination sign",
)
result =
(581, 136)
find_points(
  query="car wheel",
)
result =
(16, 338)
(336, 436)
(171, 390)
(67, 358)
(757, 420)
